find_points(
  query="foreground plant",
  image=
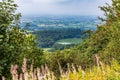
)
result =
(42, 73)
(99, 72)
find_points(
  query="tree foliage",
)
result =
(15, 43)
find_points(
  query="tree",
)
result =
(106, 38)
(111, 12)
(15, 43)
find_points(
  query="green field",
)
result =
(69, 41)
(63, 43)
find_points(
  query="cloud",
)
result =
(60, 7)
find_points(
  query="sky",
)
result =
(60, 7)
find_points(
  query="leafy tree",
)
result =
(111, 12)
(15, 43)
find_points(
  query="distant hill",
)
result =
(59, 22)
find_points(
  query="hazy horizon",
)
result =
(60, 7)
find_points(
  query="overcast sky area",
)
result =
(60, 7)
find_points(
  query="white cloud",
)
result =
(79, 7)
(43, 1)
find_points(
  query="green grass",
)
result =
(48, 49)
(69, 41)
(61, 44)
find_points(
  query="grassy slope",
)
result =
(69, 41)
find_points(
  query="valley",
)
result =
(51, 30)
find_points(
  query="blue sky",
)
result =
(60, 7)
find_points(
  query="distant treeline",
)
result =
(47, 38)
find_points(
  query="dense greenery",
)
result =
(15, 44)
(104, 42)
(47, 38)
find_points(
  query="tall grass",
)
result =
(99, 72)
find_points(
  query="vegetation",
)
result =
(15, 44)
(104, 42)
(66, 43)
(46, 39)
(58, 22)
(98, 55)
(99, 72)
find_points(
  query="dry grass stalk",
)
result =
(47, 72)
(35, 74)
(97, 60)
(39, 75)
(24, 69)
(3, 78)
(99, 63)
(73, 68)
(31, 72)
(68, 68)
(81, 70)
(60, 68)
(14, 72)
(21, 77)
